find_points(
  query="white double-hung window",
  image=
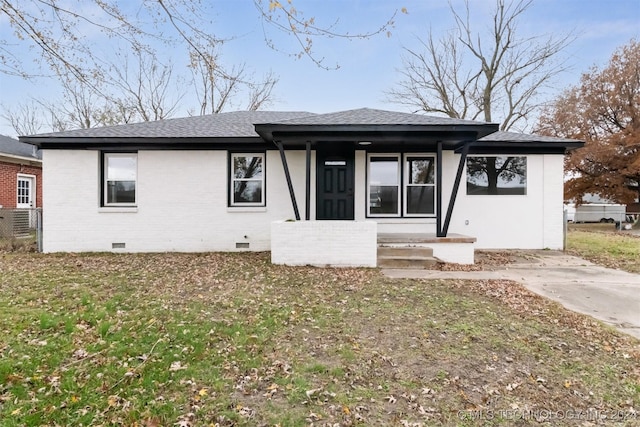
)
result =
(247, 179)
(120, 172)
(420, 185)
(384, 185)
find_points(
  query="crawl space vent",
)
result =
(118, 246)
(242, 245)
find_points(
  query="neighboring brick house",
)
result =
(20, 174)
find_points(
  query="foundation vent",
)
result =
(242, 245)
(118, 245)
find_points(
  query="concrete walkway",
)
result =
(609, 295)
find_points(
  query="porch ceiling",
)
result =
(390, 137)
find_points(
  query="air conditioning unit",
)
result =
(21, 222)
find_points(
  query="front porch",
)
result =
(415, 249)
(358, 244)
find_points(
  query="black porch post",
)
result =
(307, 204)
(439, 232)
(288, 176)
(456, 185)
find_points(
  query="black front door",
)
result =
(334, 181)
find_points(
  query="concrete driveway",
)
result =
(609, 295)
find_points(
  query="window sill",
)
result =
(246, 209)
(118, 209)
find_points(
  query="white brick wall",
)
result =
(321, 243)
(458, 253)
(552, 205)
(531, 221)
(182, 204)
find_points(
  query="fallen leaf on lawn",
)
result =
(176, 366)
(513, 386)
(203, 392)
(313, 391)
(80, 353)
(567, 383)
(314, 417)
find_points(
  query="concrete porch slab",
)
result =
(455, 248)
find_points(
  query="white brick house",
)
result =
(224, 182)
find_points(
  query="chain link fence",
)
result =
(21, 228)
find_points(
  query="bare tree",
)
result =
(81, 107)
(474, 76)
(286, 17)
(217, 87)
(145, 90)
(59, 31)
(77, 109)
(260, 93)
(25, 118)
(213, 85)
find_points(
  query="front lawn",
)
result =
(229, 339)
(605, 246)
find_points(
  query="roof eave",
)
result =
(50, 142)
(523, 147)
(21, 160)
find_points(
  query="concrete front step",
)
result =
(399, 251)
(405, 257)
(406, 262)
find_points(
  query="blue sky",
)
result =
(369, 67)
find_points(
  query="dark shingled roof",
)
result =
(16, 148)
(255, 127)
(369, 116)
(501, 136)
(237, 124)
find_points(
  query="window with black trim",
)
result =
(420, 185)
(496, 175)
(384, 185)
(401, 188)
(119, 175)
(247, 179)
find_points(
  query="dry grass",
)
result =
(229, 339)
(605, 246)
